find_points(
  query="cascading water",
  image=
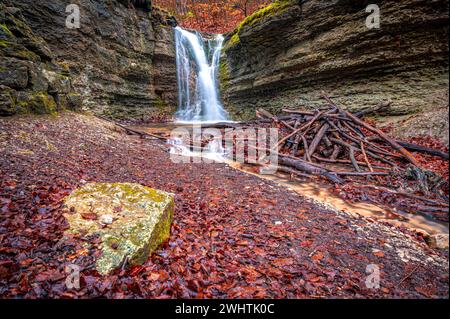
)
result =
(198, 96)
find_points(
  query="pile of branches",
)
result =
(341, 146)
(315, 140)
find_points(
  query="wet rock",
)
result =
(438, 241)
(137, 220)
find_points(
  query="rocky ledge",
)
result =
(120, 62)
(288, 53)
(30, 79)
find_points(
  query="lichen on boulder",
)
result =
(131, 220)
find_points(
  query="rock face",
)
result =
(132, 220)
(286, 54)
(30, 80)
(121, 60)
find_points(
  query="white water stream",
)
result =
(197, 65)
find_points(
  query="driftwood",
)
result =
(308, 168)
(383, 135)
(420, 149)
(141, 133)
(318, 139)
(134, 132)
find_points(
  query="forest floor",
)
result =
(234, 234)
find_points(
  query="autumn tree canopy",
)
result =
(215, 16)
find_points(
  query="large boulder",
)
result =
(132, 220)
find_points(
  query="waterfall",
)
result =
(198, 95)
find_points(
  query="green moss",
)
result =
(275, 7)
(27, 55)
(4, 43)
(224, 75)
(268, 11)
(235, 39)
(24, 104)
(8, 99)
(111, 241)
(159, 103)
(41, 103)
(6, 30)
(48, 102)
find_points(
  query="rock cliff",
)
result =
(30, 80)
(287, 53)
(119, 63)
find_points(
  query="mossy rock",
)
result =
(274, 8)
(8, 101)
(132, 220)
(40, 103)
(224, 75)
(270, 10)
(74, 101)
(4, 30)
(159, 103)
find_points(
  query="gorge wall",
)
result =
(285, 55)
(120, 62)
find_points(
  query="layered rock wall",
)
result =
(121, 61)
(287, 54)
(30, 80)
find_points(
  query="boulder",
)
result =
(131, 220)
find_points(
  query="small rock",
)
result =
(278, 222)
(421, 232)
(106, 219)
(438, 241)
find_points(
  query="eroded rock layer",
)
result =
(30, 79)
(287, 54)
(121, 60)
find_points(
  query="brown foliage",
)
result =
(215, 16)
